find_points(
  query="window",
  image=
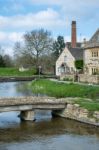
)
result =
(59, 69)
(65, 58)
(95, 54)
(94, 70)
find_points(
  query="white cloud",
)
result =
(7, 41)
(46, 18)
(14, 36)
(79, 38)
(55, 18)
(82, 9)
(8, 50)
(10, 37)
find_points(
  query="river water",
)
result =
(46, 133)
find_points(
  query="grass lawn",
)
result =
(15, 72)
(62, 90)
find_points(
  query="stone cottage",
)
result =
(65, 64)
(91, 55)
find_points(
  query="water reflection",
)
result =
(46, 133)
(14, 89)
(11, 129)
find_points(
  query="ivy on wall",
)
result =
(79, 64)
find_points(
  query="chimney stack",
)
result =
(73, 34)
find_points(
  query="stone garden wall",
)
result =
(88, 78)
(67, 77)
(84, 78)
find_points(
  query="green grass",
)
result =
(91, 105)
(83, 93)
(60, 90)
(15, 72)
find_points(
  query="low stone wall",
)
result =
(74, 111)
(67, 77)
(88, 78)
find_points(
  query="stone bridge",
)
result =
(27, 105)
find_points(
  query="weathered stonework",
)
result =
(96, 114)
(85, 78)
(91, 55)
(27, 105)
(68, 77)
(30, 103)
(69, 62)
(64, 107)
(27, 115)
(74, 111)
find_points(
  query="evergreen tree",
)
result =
(2, 63)
(58, 46)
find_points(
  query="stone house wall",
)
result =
(91, 62)
(69, 61)
(88, 78)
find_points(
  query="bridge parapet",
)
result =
(30, 100)
(31, 103)
(27, 105)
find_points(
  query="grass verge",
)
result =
(15, 72)
(89, 94)
(60, 90)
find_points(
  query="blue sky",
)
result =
(20, 16)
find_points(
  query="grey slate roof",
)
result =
(94, 41)
(78, 44)
(77, 53)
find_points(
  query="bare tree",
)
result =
(38, 43)
(8, 61)
(17, 49)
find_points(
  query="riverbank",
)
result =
(82, 100)
(15, 79)
(61, 89)
(13, 72)
(79, 113)
(24, 78)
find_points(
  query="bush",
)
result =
(79, 64)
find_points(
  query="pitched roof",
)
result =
(69, 45)
(94, 41)
(77, 53)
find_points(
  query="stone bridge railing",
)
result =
(35, 102)
(65, 107)
(27, 104)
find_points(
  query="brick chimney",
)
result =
(73, 34)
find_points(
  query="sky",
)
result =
(20, 16)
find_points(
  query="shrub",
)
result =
(79, 64)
